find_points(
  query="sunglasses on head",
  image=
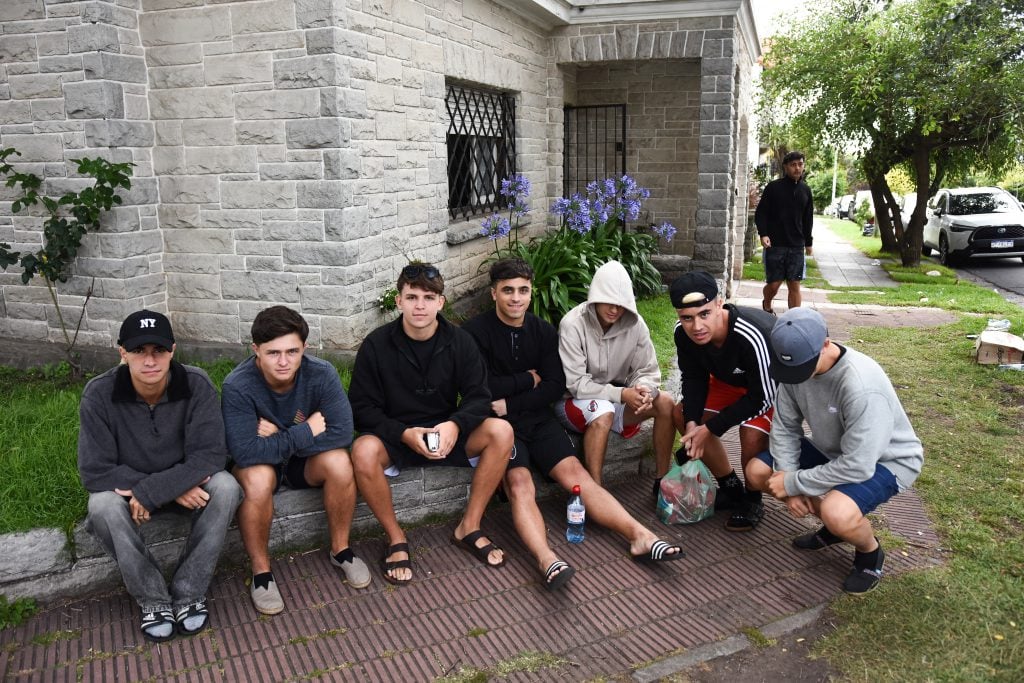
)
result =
(411, 272)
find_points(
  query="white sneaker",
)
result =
(267, 600)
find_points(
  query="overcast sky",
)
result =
(766, 11)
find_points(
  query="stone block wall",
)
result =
(73, 83)
(710, 43)
(294, 151)
(662, 100)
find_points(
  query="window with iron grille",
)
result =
(481, 148)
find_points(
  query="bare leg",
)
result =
(492, 440)
(256, 512)
(595, 443)
(752, 442)
(844, 519)
(664, 431)
(795, 297)
(333, 471)
(369, 459)
(768, 294)
(756, 475)
(602, 507)
(526, 516)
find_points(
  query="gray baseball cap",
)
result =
(797, 339)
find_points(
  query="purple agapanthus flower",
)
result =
(665, 231)
(495, 226)
(576, 211)
(515, 186)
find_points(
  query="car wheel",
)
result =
(926, 250)
(945, 258)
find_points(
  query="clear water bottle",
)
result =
(575, 515)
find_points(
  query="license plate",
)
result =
(1002, 244)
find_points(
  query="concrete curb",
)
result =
(729, 646)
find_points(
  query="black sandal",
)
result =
(481, 553)
(557, 575)
(397, 564)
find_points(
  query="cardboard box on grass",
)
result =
(998, 348)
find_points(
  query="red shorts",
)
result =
(722, 395)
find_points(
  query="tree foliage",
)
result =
(934, 85)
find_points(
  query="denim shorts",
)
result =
(867, 494)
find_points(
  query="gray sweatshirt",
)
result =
(248, 397)
(601, 364)
(856, 421)
(159, 452)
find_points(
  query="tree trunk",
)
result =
(913, 235)
(887, 214)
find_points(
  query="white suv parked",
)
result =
(985, 222)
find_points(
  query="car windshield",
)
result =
(981, 202)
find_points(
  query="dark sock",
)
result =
(753, 496)
(828, 536)
(729, 480)
(262, 580)
(867, 560)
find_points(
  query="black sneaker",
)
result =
(747, 517)
(730, 497)
(816, 540)
(860, 580)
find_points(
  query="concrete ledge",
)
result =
(42, 564)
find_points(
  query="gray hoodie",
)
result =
(601, 364)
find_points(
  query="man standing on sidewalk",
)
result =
(784, 218)
(864, 449)
(151, 440)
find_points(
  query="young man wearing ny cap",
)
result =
(784, 219)
(724, 363)
(288, 418)
(862, 449)
(150, 441)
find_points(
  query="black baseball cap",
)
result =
(693, 289)
(145, 327)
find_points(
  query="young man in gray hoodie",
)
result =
(862, 449)
(611, 371)
(151, 439)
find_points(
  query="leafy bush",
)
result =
(593, 230)
(67, 220)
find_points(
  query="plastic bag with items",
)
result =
(687, 494)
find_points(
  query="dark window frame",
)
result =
(481, 144)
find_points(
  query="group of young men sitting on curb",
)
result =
(425, 392)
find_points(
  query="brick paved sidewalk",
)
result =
(614, 618)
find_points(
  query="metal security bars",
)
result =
(595, 145)
(481, 148)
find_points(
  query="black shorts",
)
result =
(401, 456)
(290, 473)
(784, 263)
(541, 445)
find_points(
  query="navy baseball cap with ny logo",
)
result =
(146, 327)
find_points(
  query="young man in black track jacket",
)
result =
(724, 360)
